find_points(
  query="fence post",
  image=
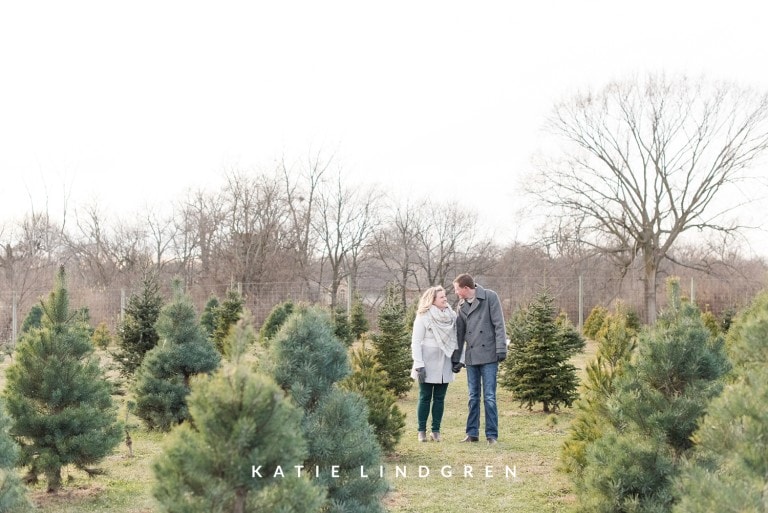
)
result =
(581, 302)
(693, 292)
(122, 305)
(14, 318)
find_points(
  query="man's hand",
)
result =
(457, 367)
(500, 357)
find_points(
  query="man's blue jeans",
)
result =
(482, 378)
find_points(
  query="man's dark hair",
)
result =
(465, 280)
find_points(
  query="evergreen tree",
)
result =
(358, 322)
(369, 380)
(617, 340)
(12, 493)
(208, 315)
(728, 472)
(659, 399)
(239, 419)
(101, 337)
(537, 368)
(710, 321)
(224, 317)
(136, 334)
(241, 337)
(594, 321)
(58, 396)
(341, 326)
(275, 320)
(34, 319)
(83, 316)
(162, 381)
(308, 362)
(393, 344)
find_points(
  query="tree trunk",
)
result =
(239, 506)
(53, 476)
(649, 289)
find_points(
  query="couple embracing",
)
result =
(444, 341)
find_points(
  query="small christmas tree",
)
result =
(617, 340)
(58, 396)
(224, 318)
(537, 368)
(275, 320)
(730, 463)
(358, 322)
(660, 397)
(341, 326)
(308, 362)
(239, 420)
(136, 334)
(369, 380)
(101, 337)
(162, 381)
(393, 344)
(34, 319)
(207, 317)
(594, 321)
(12, 493)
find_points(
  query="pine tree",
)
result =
(12, 493)
(308, 362)
(358, 322)
(617, 340)
(239, 419)
(341, 326)
(537, 368)
(393, 344)
(730, 464)
(369, 380)
(34, 319)
(711, 322)
(101, 337)
(275, 320)
(594, 321)
(162, 381)
(659, 399)
(225, 316)
(207, 317)
(58, 396)
(136, 334)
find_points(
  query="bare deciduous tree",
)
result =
(649, 160)
(301, 190)
(344, 224)
(30, 251)
(255, 210)
(162, 231)
(198, 220)
(92, 246)
(396, 245)
(448, 245)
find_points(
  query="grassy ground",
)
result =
(529, 444)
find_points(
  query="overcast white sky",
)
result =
(132, 103)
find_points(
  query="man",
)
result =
(481, 334)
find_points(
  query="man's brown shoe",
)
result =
(470, 438)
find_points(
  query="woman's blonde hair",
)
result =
(428, 298)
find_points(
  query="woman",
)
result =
(432, 344)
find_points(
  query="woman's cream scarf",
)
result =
(443, 325)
